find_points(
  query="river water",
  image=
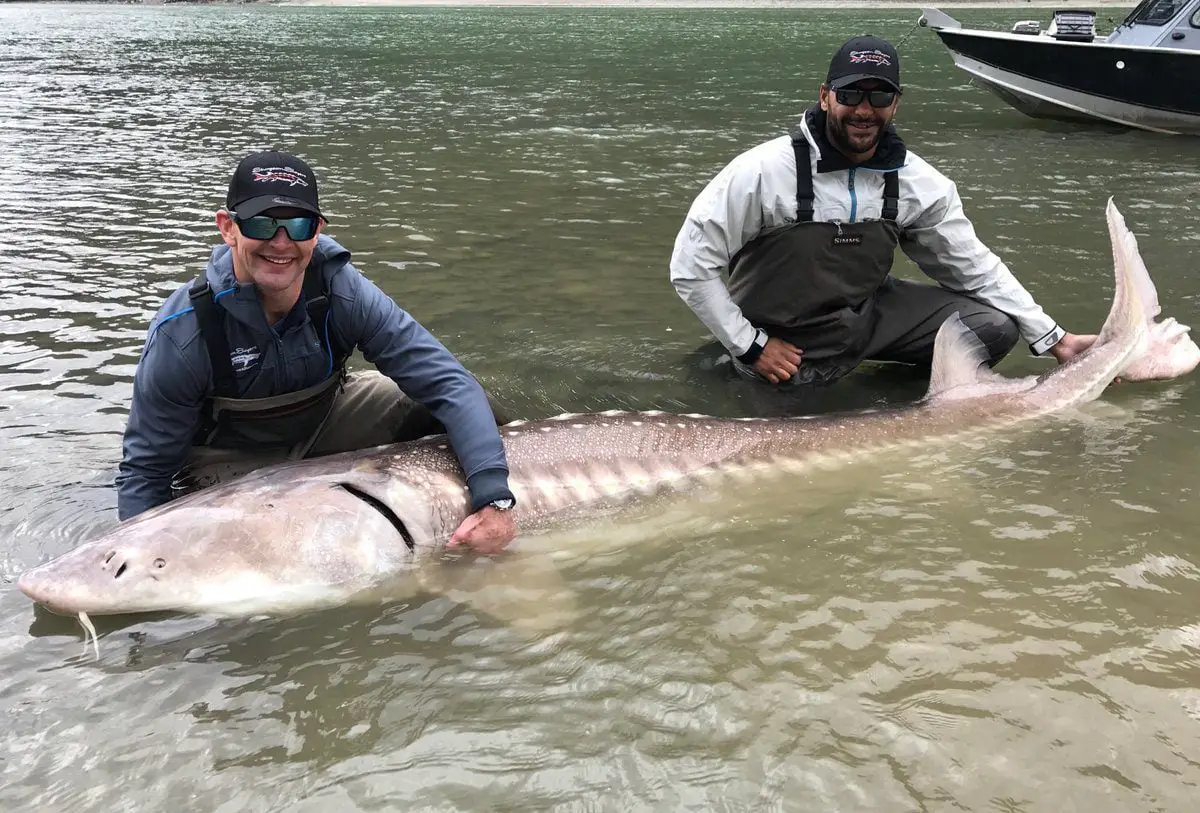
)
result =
(1008, 626)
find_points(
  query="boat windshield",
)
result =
(1155, 12)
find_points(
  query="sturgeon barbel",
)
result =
(324, 531)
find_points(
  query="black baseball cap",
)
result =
(265, 180)
(864, 57)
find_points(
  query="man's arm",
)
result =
(164, 416)
(942, 242)
(726, 215)
(405, 351)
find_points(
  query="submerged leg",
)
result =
(372, 410)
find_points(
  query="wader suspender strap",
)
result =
(212, 329)
(891, 195)
(316, 301)
(804, 184)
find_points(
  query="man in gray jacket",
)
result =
(806, 226)
(245, 366)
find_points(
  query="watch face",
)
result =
(502, 505)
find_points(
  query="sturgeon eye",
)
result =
(160, 563)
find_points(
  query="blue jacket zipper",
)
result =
(853, 195)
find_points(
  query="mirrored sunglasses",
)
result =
(261, 227)
(853, 97)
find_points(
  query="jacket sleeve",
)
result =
(942, 242)
(726, 215)
(164, 416)
(402, 349)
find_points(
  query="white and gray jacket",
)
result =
(757, 191)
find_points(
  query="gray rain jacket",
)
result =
(174, 375)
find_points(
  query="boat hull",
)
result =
(1144, 88)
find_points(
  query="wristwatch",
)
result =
(503, 504)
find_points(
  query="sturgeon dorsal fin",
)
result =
(959, 359)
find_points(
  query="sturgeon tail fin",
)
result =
(1135, 300)
(1168, 350)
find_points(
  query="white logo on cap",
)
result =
(874, 57)
(287, 175)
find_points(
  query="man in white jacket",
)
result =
(809, 254)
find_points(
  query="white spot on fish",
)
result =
(442, 446)
(739, 473)
(606, 481)
(636, 423)
(550, 492)
(576, 426)
(634, 473)
(580, 484)
(545, 428)
(613, 412)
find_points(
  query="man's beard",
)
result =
(839, 134)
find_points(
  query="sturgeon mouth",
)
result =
(383, 510)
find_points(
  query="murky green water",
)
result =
(1008, 627)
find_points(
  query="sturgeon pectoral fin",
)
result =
(959, 359)
(524, 591)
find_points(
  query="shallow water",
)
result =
(1009, 626)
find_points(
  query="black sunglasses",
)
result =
(261, 227)
(853, 97)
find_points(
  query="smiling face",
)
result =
(275, 266)
(855, 130)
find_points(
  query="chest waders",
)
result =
(291, 420)
(813, 284)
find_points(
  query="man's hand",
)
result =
(779, 361)
(1071, 345)
(488, 530)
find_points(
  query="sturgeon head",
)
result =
(298, 535)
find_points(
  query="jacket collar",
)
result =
(889, 155)
(239, 299)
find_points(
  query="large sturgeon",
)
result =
(326, 531)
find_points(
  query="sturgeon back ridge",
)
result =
(573, 462)
(327, 531)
